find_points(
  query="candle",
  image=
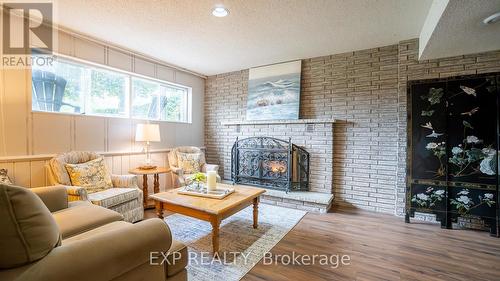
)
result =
(211, 180)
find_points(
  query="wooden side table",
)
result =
(156, 183)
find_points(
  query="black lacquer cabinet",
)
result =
(453, 144)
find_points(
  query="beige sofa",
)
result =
(125, 197)
(179, 176)
(80, 241)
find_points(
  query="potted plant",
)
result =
(199, 178)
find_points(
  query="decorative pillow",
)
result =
(189, 162)
(91, 175)
(4, 177)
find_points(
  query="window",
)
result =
(176, 103)
(145, 96)
(158, 101)
(72, 87)
(108, 93)
(61, 92)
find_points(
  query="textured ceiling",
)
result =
(460, 30)
(257, 32)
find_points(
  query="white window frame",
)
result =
(164, 84)
(130, 76)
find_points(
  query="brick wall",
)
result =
(366, 90)
(227, 101)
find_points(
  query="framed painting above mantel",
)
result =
(274, 92)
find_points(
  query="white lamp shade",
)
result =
(147, 132)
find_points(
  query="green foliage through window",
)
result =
(72, 87)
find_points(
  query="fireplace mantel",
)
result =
(278, 122)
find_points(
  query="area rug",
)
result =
(241, 246)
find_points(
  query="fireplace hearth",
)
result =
(271, 163)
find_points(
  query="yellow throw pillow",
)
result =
(189, 162)
(91, 175)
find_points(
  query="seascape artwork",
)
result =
(274, 92)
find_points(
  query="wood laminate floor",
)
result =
(382, 247)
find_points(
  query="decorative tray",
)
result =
(219, 193)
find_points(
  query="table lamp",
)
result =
(147, 133)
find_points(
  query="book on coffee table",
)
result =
(219, 193)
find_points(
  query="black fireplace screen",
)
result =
(271, 163)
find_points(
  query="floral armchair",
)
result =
(124, 196)
(181, 175)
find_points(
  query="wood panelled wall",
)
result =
(23, 132)
(28, 140)
(32, 171)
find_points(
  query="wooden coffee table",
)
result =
(208, 209)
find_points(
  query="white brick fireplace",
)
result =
(314, 135)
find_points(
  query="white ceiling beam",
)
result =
(455, 27)
(431, 21)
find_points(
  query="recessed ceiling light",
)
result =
(220, 12)
(492, 19)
